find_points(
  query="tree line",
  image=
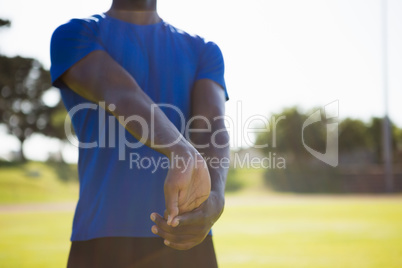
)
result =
(359, 151)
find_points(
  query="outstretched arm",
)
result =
(212, 141)
(98, 78)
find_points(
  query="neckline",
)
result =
(130, 23)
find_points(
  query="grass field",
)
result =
(258, 228)
(276, 231)
(303, 231)
(37, 182)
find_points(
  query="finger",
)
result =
(171, 201)
(194, 217)
(165, 214)
(175, 221)
(160, 222)
(165, 231)
(171, 237)
(160, 227)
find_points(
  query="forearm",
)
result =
(150, 125)
(209, 135)
(216, 155)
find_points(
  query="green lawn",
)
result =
(311, 232)
(34, 239)
(258, 228)
(37, 182)
(254, 231)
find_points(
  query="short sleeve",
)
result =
(211, 65)
(70, 43)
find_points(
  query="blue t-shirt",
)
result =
(121, 180)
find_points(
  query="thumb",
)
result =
(171, 202)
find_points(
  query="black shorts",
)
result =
(133, 252)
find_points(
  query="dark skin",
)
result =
(135, 5)
(140, 12)
(194, 197)
(208, 101)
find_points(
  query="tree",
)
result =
(23, 82)
(288, 135)
(4, 22)
(375, 135)
(303, 173)
(353, 135)
(360, 144)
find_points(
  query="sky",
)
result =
(278, 53)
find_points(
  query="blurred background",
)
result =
(284, 59)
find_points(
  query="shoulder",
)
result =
(79, 25)
(186, 34)
(201, 43)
